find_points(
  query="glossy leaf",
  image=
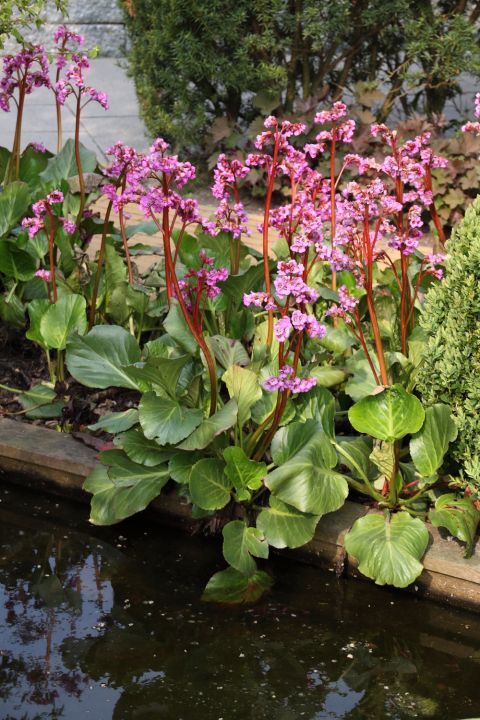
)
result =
(285, 526)
(232, 587)
(181, 466)
(41, 402)
(319, 405)
(98, 359)
(328, 376)
(62, 318)
(388, 415)
(63, 165)
(429, 445)
(355, 454)
(166, 420)
(388, 548)
(209, 486)
(459, 516)
(228, 351)
(36, 310)
(244, 387)
(16, 263)
(159, 372)
(178, 330)
(116, 422)
(14, 202)
(140, 449)
(125, 472)
(211, 427)
(245, 474)
(240, 543)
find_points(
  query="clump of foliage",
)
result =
(15, 15)
(451, 365)
(220, 65)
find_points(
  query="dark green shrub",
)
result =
(220, 64)
(450, 371)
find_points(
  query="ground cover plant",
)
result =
(269, 385)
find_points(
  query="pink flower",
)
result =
(44, 275)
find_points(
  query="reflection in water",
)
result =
(107, 624)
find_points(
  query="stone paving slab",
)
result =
(56, 463)
(99, 128)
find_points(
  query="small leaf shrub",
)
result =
(451, 364)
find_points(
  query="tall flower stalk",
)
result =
(67, 44)
(22, 73)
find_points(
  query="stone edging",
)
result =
(58, 464)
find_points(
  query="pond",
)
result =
(107, 623)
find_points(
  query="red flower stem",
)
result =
(58, 107)
(371, 303)
(166, 240)
(266, 216)
(14, 164)
(361, 337)
(433, 209)
(78, 160)
(196, 332)
(100, 261)
(179, 242)
(51, 246)
(123, 233)
(333, 221)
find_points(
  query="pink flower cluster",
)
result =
(23, 72)
(67, 43)
(41, 209)
(474, 126)
(73, 83)
(202, 282)
(287, 380)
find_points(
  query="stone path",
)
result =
(99, 128)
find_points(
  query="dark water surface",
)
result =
(107, 623)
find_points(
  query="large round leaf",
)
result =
(429, 445)
(305, 478)
(62, 318)
(16, 263)
(243, 385)
(388, 415)
(209, 486)
(285, 526)
(14, 202)
(388, 547)
(232, 587)
(240, 543)
(166, 420)
(98, 358)
(211, 427)
(140, 449)
(459, 516)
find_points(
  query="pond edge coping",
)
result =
(56, 463)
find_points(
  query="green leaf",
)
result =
(383, 455)
(388, 548)
(14, 202)
(289, 441)
(389, 415)
(63, 165)
(209, 486)
(41, 402)
(228, 351)
(328, 376)
(16, 263)
(32, 163)
(459, 516)
(285, 526)
(245, 474)
(140, 449)
(159, 372)
(124, 472)
(181, 465)
(319, 405)
(240, 543)
(223, 420)
(98, 359)
(232, 587)
(36, 310)
(355, 454)
(62, 318)
(244, 387)
(362, 382)
(166, 420)
(117, 421)
(178, 330)
(429, 445)
(146, 227)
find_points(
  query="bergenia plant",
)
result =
(231, 409)
(67, 45)
(22, 73)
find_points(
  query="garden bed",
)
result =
(58, 464)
